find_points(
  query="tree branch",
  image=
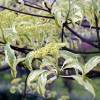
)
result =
(83, 39)
(32, 6)
(22, 50)
(79, 52)
(35, 15)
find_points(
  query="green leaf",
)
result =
(78, 78)
(10, 59)
(66, 55)
(33, 76)
(76, 13)
(66, 9)
(28, 61)
(19, 60)
(47, 61)
(52, 79)
(16, 81)
(74, 64)
(71, 60)
(91, 64)
(40, 78)
(85, 83)
(60, 10)
(89, 87)
(41, 84)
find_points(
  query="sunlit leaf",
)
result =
(71, 60)
(33, 76)
(74, 65)
(66, 55)
(10, 59)
(89, 87)
(91, 64)
(51, 79)
(47, 61)
(66, 9)
(41, 89)
(15, 81)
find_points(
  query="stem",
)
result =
(62, 34)
(25, 89)
(97, 30)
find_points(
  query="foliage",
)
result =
(42, 37)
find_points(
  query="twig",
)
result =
(32, 6)
(35, 15)
(47, 7)
(23, 50)
(62, 34)
(97, 30)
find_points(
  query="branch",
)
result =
(32, 6)
(36, 15)
(27, 50)
(82, 38)
(47, 7)
(22, 50)
(80, 52)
